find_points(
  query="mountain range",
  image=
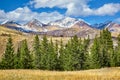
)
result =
(65, 27)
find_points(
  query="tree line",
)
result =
(76, 54)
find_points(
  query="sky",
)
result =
(92, 11)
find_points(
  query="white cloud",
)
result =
(78, 7)
(108, 9)
(74, 8)
(24, 15)
(2, 15)
(47, 17)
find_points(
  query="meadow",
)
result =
(95, 74)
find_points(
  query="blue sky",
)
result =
(92, 11)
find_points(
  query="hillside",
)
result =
(98, 74)
(16, 36)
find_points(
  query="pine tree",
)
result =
(44, 51)
(37, 53)
(77, 58)
(52, 56)
(58, 53)
(8, 57)
(85, 53)
(95, 54)
(67, 61)
(106, 48)
(61, 56)
(17, 60)
(113, 58)
(117, 52)
(26, 57)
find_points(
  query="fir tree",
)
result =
(8, 57)
(77, 58)
(106, 48)
(52, 56)
(95, 54)
(117, 52)
(44, 51)
(59, 52)
(67, 61)
(84, 53)
(61, 56)
(37, 53)
(17, 60)
(26, 57)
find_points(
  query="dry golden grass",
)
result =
(16, 36)
(115, 34)
(100, 74)
(19, 36)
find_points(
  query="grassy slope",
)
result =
(19, 36)
(100, 74)
(4, 34)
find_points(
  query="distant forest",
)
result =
(76, 54)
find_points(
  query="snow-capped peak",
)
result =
(65, 22)
(9, 22)
(69, 19)
(35, 22)
(5, 22)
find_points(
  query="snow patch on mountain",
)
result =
(4, 22)
(9, 22)
(28, 28)
(35, 22)
(66, 22)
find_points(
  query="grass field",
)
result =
(100, 74)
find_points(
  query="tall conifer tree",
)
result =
(8, 56)
(117, 52)
(26, 57)
(95, 54)
(37, 53)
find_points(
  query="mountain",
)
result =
(62, 27)
(80, 25)
(35, 25)
(101, 25)
(77, 27)
(114, 28)
(66, 22)
(66, 26)
(16, 26)
(10, 22)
